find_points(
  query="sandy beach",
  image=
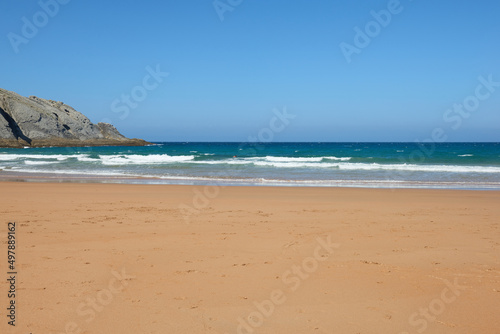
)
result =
(112, 258)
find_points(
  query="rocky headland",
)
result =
(36, 122)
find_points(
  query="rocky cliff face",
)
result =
(38, 122)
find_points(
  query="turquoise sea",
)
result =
(379, 165)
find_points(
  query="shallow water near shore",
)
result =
(373, 165)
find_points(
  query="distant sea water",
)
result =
(375, 165)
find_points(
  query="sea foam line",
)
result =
(124, 159)
(127, 178)
(268, 161)
(60, 157)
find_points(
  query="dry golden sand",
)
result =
(416, 261)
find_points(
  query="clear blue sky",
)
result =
(226, 77)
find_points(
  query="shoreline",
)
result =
(36, 176)
(92, 181)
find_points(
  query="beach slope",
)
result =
(104, 258)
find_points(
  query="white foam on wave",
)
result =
(375, 166)
(420, 168)
(293, 164)
(60, 157)
(143, 159)
(332, 162)
(466, 155)
(340, 159)
(290, 159)
(86, 158)
(35, 162)
(297, 159)
(286, 162)
(222, 162)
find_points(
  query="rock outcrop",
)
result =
(38, 122)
